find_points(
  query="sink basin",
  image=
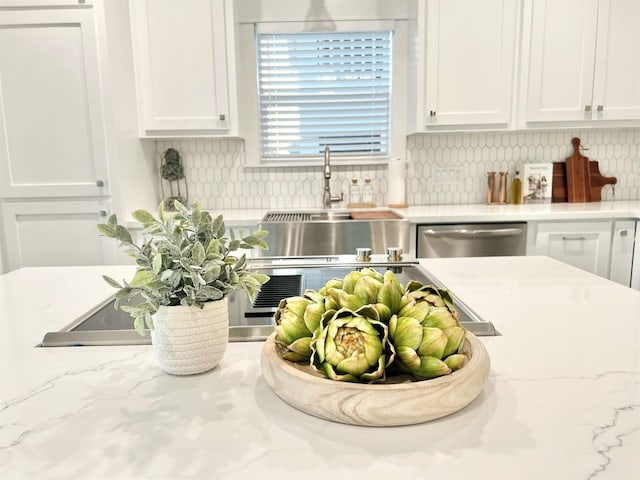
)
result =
(333, 232)
(330, 216)
(308, 216)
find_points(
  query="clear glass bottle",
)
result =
(516, 189)
(367, 192)
(354, 193)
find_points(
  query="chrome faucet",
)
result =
(327, 198)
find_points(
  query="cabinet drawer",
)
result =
(586, 245)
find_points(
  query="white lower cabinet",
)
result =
(635, 268)
(603, 247)
(53, 233)
(622, 245)
(586, 245)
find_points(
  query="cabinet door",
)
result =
(622, 251)
(39, 234)
(586, 245)
(561, 62)
(183, 58)
(470, 47)
(52, 129)
(616, 86)
(635, 269)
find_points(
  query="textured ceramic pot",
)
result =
(189, 340)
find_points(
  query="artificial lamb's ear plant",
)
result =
(185, 259)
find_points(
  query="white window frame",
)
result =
(248, 90)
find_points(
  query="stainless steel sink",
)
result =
(251, 321)
(308, 216)
(333, 232)
(330, 216)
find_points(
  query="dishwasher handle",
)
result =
(468, 233)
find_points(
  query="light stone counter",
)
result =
(478, 212)
(562, 400)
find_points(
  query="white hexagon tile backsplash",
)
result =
(443, 168)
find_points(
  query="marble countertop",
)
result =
(478, 212)
(562, 400)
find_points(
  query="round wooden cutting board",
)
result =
(387, 404)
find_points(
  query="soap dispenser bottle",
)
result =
(367, 193)
(354, 193)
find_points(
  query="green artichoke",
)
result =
(356, 328)
(419, 349)
(295, 321)
(352, 346)
(437, 297)
(455, 361)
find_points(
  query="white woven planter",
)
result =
(188, 340)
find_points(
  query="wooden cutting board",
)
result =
(374, 215)
(578, 175)
(575, 182)
(559, 191)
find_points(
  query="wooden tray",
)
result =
(386, 404)
(374, 215)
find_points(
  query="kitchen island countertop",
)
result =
(562, 400)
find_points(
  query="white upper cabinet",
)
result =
(185, 67)
(52, 128)
(465, 57)
(583, 62)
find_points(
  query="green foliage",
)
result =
(185, 259)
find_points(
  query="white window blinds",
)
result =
(324, 88)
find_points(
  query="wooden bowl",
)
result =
(386, 404)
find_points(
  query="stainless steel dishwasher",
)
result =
(471, 240)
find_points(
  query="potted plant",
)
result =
(186, 267)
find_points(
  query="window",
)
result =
(318, 89)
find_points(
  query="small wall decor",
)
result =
(172, 179)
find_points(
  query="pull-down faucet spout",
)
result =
(327, 198)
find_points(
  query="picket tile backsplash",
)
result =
(443, 168)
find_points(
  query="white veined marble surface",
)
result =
(477, 212)
(562, 400)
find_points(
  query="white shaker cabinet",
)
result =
(582, 60)
(463, 55)
(53, 141)
(586, 245)
(184, 64)
(635, 268)
(622, 244)
(56, 232)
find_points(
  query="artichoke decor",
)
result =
(367, 326)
